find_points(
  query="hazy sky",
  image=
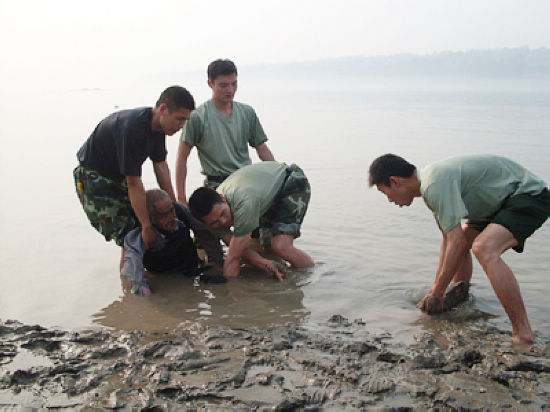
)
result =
(86, 43)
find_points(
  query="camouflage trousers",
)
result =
(106, 203)
(286, 214)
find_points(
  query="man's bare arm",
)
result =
(184, 149)
(136, 193)
(264, 153)
(162, 172)
(238, 248)
(454, 247)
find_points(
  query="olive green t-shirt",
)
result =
(222, 143)
(250, 192)
(473, 187)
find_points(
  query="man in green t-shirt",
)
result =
(270, 195)
(221, 129)
(503, 203)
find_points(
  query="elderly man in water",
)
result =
(503, 203)
(173, 250)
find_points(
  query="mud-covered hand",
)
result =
(275, 269)
(432, 304)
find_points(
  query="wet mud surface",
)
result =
(340, 366)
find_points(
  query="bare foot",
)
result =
(522, 340)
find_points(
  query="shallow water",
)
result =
(374, 260)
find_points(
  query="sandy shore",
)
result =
(281, 368)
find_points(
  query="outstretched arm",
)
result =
(238, 248)
(181, 171)
(454, 247)
(264, 153)
(162, 172)
(136, 193)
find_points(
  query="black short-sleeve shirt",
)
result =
(121, 143)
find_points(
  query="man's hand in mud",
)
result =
(432, 304)
(275, 269)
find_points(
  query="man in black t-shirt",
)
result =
(108, 178)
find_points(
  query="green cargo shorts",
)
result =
(521, 215)
(287, 213)
(106, 203)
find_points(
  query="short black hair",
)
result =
(386, 166)
(220, 67)
(176, 97)
(202, 201)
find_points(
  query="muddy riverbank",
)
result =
(281, 368)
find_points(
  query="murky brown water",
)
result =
(374, 261)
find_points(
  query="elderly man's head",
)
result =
(161, 210)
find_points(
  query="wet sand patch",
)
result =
(283, 367)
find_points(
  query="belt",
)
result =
(217, 179)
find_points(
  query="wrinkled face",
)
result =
(397, 193)
(172, 122)
(219, 216)
(224, 87)
(165, 215)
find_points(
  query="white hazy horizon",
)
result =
(88, 44)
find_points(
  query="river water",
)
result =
(374, 261)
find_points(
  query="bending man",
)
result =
(108, 177)
(271, 195)
(503, 203)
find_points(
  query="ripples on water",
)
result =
(374, 260)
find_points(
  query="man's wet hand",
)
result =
(431, 304)
(275, 269)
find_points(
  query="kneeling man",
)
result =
(503, 203)
(267, 194)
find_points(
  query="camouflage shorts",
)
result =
(106, 203)
(287, 213)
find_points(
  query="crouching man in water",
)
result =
(269, 194)
(173, 249)
(503, 203)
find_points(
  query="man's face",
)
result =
(172, 122)
(219, 216)
(397, 192)
(165, 215)
(224, 87)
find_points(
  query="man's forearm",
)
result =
(455, 250)
(442, 251)
(162, 172)
(136, 193)
(264, 153)
(232, 263)
(181, 171)
(181, 176)
(254, 258)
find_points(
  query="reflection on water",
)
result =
(250, 300)
(374, 261)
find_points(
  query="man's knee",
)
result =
(484, 249)
(281, 245)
